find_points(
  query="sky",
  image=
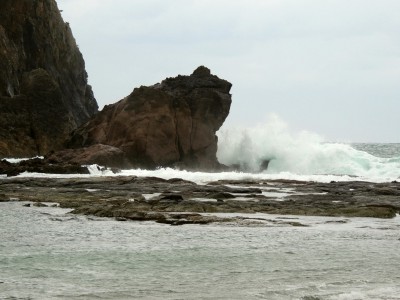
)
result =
(329, 67)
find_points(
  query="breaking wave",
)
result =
(300, 153)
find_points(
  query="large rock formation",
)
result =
(44, 93)
(172, 123)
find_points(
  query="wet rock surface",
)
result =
(37, 165)
(179, 202)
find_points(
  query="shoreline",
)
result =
(177, 202)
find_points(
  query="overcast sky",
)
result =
(329, 67)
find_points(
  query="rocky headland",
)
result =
(169, 124)
(178, 202)
(44, 93)
(48, 109)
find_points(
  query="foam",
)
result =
(18, 160)
(198, 177)
(301, 153)
(204, 177)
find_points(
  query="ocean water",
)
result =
(48, 253)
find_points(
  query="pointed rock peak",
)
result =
(202, 71)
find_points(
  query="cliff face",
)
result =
(44, 93)
(169, 124)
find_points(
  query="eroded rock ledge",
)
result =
(178, 201)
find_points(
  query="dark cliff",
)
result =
(44, 93)
(172, 123)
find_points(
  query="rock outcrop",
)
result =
(37, 165)
(177, 201)
(172, 123)
(103, 155)
(44, 93)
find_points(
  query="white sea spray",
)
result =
(18, 160)
(300, 154)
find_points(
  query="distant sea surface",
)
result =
(386, 150)
(47, 253)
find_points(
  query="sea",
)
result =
(48, 253)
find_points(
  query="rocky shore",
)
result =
(178, 202)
